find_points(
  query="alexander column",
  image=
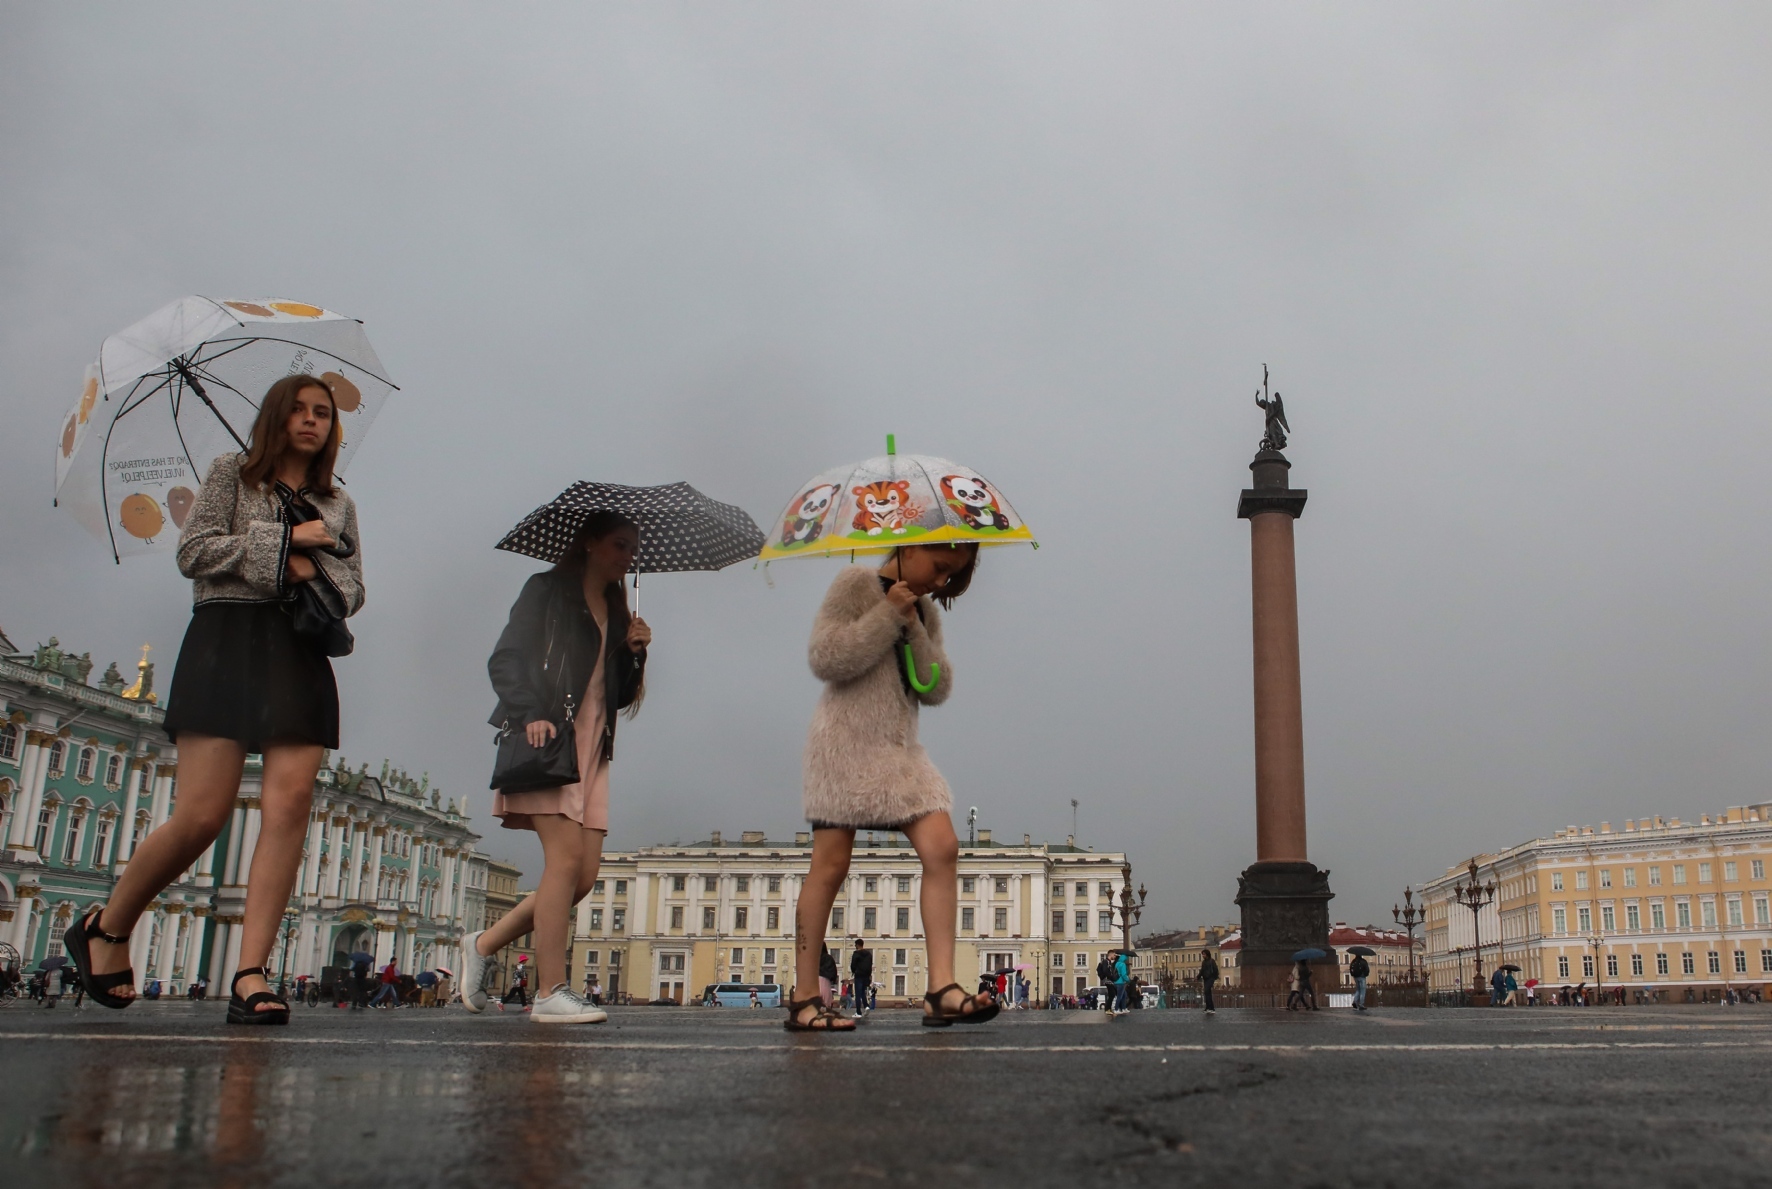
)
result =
(1284, 898)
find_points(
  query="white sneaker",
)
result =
(563, 1005)
(474, 967)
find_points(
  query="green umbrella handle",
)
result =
(910, 668)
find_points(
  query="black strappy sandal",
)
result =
(98, 987)
(941, 1019)
(245, 1011)
(824, 1021)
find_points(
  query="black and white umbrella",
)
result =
(680, 528)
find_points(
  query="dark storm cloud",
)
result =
(1509, 266)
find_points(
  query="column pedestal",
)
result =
(1285, 909)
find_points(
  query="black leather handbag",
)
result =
(314, 621)
(523, 768)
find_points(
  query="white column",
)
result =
(33, 772)
(168, 947)
(218, 954)
(353, 866)
(141, 940)
(162, 795)
(310, 880)
(341, 858)
(372, 876)
(104, 861)
(191, 948)
(384, 946)
(21, 922)
(206, 865)
(232, 961)
(132, 789)
(254, 820)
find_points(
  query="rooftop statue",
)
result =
(1275, 408)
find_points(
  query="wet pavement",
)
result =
(165, 1094)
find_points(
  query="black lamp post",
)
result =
(1475, 897)
(291, 919)
(1409, 916)
(1126, 908)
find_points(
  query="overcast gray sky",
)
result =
(1510, 266)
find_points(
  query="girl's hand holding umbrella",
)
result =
(639, 635)
(310, 534)
(903, 600)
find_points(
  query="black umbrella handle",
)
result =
(184, 370)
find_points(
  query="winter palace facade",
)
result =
(664, 922)
(1669, 911)
(86, 772)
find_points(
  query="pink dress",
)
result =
(586, 802)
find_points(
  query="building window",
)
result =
(1636, 965)
(1608, 920)
(1082, 920)
(775, 885)
(1057, 921)
(1105, 923)
(837, 919)
(744, 885)
(8, 743)
(1633, 917)
(1107, 889)
(1082, 961)
(1687, 965)
(710, 884)
(1630, 877)
(1660, 963)
(102, 843)
(769, 955)
(621, 887)
(1002, 887)
(904, 885)
(870, 919)
(898, 984)
(619, 919)
(1082, 888)
(1584, 919)
(679, 883)
(676, 916)
(1058, 891)
(71, 841)
(1758, 868)
(967, 920)
(596, 887)
(968, 885)
(1058, 961)
(590, 957)
(1605, 877)
(1679, 873)
(1709, 911)
(1587, 965)
(904, 920)
(1611, 965)
(1562, 967)
(614, 959)
(114, 770)
(741, 920)
(898, 957)
(737, 959)
(1735, 912)
(1740, 961)
(1762, 912)
(1729, 872)
(1556, 881)
(1655, 877)
(1559, 920)
(45, 826)
(1683, 915)
(1580, 880)
(1000, 920)
(707, 917)
(596, 918)
(1766, 961)
(1658, 917)
(1714, 961)
(774, 918)
(870, 884)
(1704, 873)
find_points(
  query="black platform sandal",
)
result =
(245, 1011)
(98, 987)
(826, 1019)
(979, 1013)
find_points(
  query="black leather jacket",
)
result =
(546, 655)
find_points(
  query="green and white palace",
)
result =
(86, 771)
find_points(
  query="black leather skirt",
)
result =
(244, 674)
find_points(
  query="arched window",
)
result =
(9, 742)
(71, 839)
(102, 842)
(83, 769)
(58, 758)
(45, 826)
(114, 769)
(141, 829)
(58, 925)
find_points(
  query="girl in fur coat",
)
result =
(865, 770)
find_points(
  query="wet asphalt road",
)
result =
(165, 1094)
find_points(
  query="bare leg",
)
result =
(208, 783)
(562, 847)
(521, 919)
(933, 837)
(286, 802)
(831, 850)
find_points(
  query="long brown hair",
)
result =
(571, 567)
(270, 436)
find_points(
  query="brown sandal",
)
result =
(979, 1010)
(826, 1019)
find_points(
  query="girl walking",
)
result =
(865, 770)
(271, 548)
(571, 651)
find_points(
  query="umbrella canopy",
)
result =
(54, 963)
(361, 956)
(1531, 982)
(897, 499)
(446, 971)
(1364, 950)
(1309, 955)
(1515, 969)
(426, 979)
(170, 393)
(680, 528)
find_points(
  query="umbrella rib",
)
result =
(226, 312)
(104, 458)
(267, 338)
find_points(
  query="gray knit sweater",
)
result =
(235, 544)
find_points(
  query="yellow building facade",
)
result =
(1669, 911)
(665, 922)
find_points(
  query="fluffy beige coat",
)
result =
(863, 765)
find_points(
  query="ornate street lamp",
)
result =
(1409, 916)
(291, 919)
(1597, 939)
(1475, 897)
(1127, 909)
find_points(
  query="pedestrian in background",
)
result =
(389, 991)
(865, 770)
(571, 654)
(1497, 987)
(1122, 983)
(1359, 970)
(1295, 992)
(861, 966)
(827, 974)
(1208, 977)
(1512, 987)
(271, 549)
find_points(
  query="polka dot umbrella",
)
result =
(680, 528)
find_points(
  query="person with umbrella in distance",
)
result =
(1359, 970)
(572, 656)
(362, 961)
(270, 544)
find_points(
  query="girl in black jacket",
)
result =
(571, 651)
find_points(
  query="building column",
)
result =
(141, 941)
(384, 944)
(248, 844)
(21, 920)
(132, 790)
(310, 878)
(163, 774)
(236, 828)
(341, 857)
(232, 961)
(169, 944)
(371, 886)
(206, 866)
(33, 773)
(220, 933)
